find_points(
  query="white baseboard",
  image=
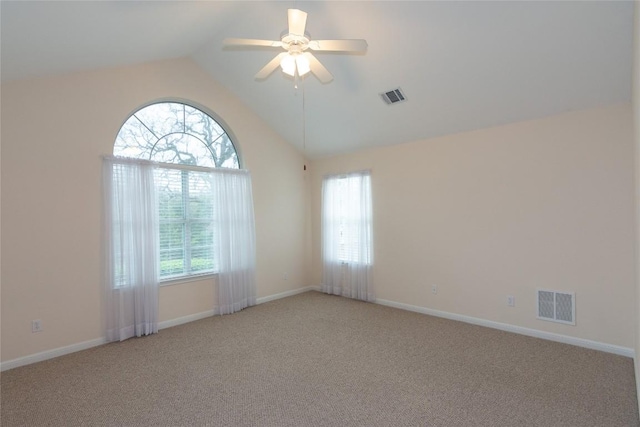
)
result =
(50, 354)
(186, 319)
(61, 351)
(580, 342)
(290, 293)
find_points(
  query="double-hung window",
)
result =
(180, 138)
(185, 216)
(347, 218)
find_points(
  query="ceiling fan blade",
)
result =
(353, 45)
(270, 67)
(318, 69)
(297, 21)
(251, 42)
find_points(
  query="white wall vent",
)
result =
(556, 306)
(393, 96)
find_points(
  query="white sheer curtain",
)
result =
(347, 235)
(234, 239)
(131, 249)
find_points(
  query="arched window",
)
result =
(176, 133)
(172, 132)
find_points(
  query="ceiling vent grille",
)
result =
(393, 96)
(556, 306)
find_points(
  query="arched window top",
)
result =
(173, 132)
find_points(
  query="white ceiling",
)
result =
(462, 65)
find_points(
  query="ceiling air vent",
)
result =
(556, 306)
(393, 96)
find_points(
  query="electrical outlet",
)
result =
(511, 301)
(285, 276)
(434, 289)
(36, 325)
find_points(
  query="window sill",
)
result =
(187, 279)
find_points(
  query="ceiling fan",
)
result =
(297, 61)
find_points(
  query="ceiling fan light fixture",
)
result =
(288, 65)
(303, 65)
(292, 63)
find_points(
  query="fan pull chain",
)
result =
(304, 127)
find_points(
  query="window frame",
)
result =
(186, 221)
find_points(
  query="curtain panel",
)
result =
(347, 235)
(131, 249)
(235, 241)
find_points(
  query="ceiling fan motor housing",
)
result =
(295, 43)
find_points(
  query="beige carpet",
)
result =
(319, 360)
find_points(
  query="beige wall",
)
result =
(0, 222)
(53, 135)
(482, 215)
(496, 212)
(636, 116)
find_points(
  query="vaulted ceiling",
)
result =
(462, 65)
